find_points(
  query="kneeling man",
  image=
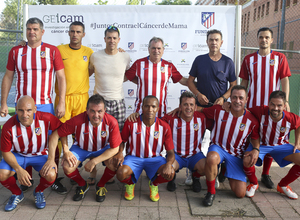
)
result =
(24, 142)
(188, 127)
(97, 136)
(146, 138)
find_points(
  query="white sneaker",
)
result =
(250, 191)
(287, 190)
(189, 180)
(217, 183)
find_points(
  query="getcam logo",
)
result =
(62, 18)
(208, 19)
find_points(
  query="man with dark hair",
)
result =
(213, 72)
(228, 143)
(36, 64)
(264, 71)
(187, 131)
(152, 74)
(109, 66)
(97, 136)
(24, 142)
(146, 138)
(275, 126)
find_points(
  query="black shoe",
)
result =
(58, 187)
(171, 186)
(100, 193)
(80, 192)
(221, 176)
(266, 180)
(72, 182)
(196, 186)
(208, 199)
(25, 188)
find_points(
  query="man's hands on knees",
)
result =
(70, 158)
(118, 160)
(24, 177)
(48, 167)
(168, 171)
(250, 158)
(89, 166)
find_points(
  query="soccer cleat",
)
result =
(171, 186)
(208, 199)
(154, 196)
(80, 192)
(25, 188)
(58, 187)
(250, 191)
(100, 193)
(287, 190)
(266, 180)
(129, 193)
(13, 202)
(39, 199)
(196, 186)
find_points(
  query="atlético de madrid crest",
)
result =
(156, 134)
(38, 131)
(242, 127)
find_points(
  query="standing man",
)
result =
(213, 72)
(152, 74)
(24, 142)
(76, 59)
(264, 71)
(146, 138)
(36, 64)
(97, 136)
(109, 66)
(187, 131)
(229, 136)
(275, 126)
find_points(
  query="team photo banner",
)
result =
(183, 29)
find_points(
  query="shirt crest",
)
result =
(38, 131)
(282, 129)
(242, 127)
(196, 126)
(103, 134)
(156, 134)
(43, 54)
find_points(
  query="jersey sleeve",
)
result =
(11, 60)
(58, 62)
(6, 139)
(168, 138)
(114, 138)
(126, 131)
(255, 131)
(176, 76)
(244, 73)
(209, 112)
(67, 128)
(54, 122)
(284, 68)
(131, 73)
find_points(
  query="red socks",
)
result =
(267, 164)
(44, 184)
(250, 173)
(127, 181)
(211, 186)
(11, 185)
(107, 175)
(76, 177)
(292, 175)
(159, 179)
(196, 174)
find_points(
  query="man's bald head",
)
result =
(25, 110)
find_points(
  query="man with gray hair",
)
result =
(153, 74)
(36, 64)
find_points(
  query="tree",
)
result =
(133, 2)
(174, 2)
(58, 2)
(101, 2)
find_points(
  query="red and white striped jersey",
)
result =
(264, 74)
(230, 132)
(35, 68)
(153, 79)
(91, 138)
(274, 133)
(187, 136)
(147, 142)
(28, 141)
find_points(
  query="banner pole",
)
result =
(238, 27)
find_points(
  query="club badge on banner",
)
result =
(183, 30)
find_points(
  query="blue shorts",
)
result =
(37, 162)
(234, 165)
(277, 152)
(46, 108)
(82, 155)
(150, 165)
(189, 162)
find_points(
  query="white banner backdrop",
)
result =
(183, 29)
